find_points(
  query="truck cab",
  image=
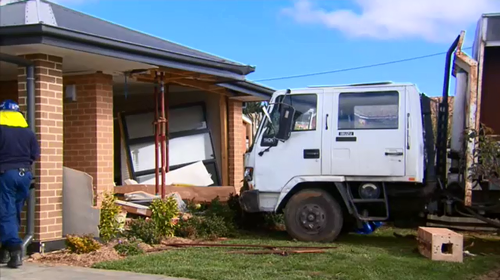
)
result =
(330, 157)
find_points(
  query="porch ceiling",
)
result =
(75, 62)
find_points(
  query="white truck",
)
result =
(336, 159)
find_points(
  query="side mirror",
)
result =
(285, 123)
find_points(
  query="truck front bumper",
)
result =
(249, 201)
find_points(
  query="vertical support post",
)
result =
(157, 131)
(224, 140)
(162, 131)
(167, 91)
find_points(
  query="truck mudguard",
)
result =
(337, 182)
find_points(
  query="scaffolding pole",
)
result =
(156, 129)
(162, 133)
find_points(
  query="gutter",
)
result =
(249, 88)
(99, 41)
(30, 89)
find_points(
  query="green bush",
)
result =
(144, 230)
(82, 245)
(188, 228)
(210, 227)
(219, 209)
(253, 221)
(194, 207)
(274, 221)
(128, 248)
(109, 226)
(217, 220)
(220, 219)
(162, 213)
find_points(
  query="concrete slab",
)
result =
(31, 271)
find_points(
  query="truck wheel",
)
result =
(313, 215)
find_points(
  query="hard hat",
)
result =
(9, 105)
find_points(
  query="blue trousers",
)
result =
(14, 190)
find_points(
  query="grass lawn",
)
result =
(377, 256)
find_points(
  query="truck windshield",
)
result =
(305, 106)
(304, 119)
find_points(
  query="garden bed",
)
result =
(107, 252)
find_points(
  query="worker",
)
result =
(18, 150)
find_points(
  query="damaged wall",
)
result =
(145, 101)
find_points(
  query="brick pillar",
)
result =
(88, 129)
(48, 124)
(236, 149)
(8, 90)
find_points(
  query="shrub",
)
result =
(188, 228)
(218, 220)
(82, 245)
(144, 230)
(194, 207)
(162, 213)
(274, 221)
(223, 219)
(218, 209)
(129, 248)
(109, 226)
(210, 227)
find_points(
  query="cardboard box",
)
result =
(440, 244)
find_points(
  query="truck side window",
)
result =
(305, 111)
(368, 110)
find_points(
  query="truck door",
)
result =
(277, 162)
(369, 137)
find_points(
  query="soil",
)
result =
(493, 275)
(105, 253)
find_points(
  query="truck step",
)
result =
(380, 202)
(372, 219)
(359, 200)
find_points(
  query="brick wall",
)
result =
(88, 129)
(236, 149)
(49, 128)
(8, 90)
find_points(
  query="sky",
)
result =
(287, 37)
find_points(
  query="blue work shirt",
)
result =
(18, 148)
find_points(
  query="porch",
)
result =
(91, 77)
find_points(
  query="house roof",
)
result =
(31, 21)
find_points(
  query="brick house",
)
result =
(86, 71)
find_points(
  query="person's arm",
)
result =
(35, 148)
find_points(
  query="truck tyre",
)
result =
(313, 215)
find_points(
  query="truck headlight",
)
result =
(248, 176)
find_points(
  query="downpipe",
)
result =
(30, 215)
(30, 220)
